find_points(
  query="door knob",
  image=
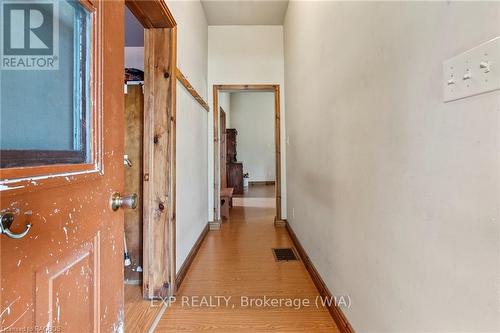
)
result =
(127, 201)
(6, 220)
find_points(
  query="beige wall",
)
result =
(192, 120)
(245, 55)
(395, 194)
(252, 114)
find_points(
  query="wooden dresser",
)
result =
(234, 169)
(235, 177)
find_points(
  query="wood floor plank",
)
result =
(139, 314)
(237, 261)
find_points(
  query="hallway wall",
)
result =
(192, 120)
(225, 104)
(252, 114)
(245, 55)
(134, 41)
(393, 193)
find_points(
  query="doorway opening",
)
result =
(247, 149)
(149, 160)
(133, 169)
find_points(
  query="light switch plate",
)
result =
(472, 72)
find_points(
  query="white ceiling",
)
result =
(245, 12)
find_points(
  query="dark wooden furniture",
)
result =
(231, 145)
(234, 169)
(226, 201)
(235, 177)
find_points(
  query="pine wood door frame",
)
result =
(223, 157)
(275, 88)
(159, 186)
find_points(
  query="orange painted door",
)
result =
(62, 160)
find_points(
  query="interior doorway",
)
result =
(226, 163)
(149, 160)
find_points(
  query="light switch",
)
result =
(472, 72)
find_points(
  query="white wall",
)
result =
(192, 126)
(134, 57)
(252, 114)
(245, 55)
(395, 193)
(134, 42)
(225, 104)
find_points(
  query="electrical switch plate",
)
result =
(472, 72)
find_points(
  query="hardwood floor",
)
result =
(139, 314)
(259, 191)
(235, 262)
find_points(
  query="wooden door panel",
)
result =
(134, 133)
(67, 273)
(61, 282)
(74, 237)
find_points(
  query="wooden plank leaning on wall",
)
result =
(160, 46)
(189, 87)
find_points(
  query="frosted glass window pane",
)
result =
(46, 109)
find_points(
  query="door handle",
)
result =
(6, 220)
(127, 201)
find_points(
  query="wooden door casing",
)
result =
(159, 163)
(159, 187)
(67, 273)
(223, 151)
(216, 89)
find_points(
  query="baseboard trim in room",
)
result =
(336, 313)
(215, 225)
(133, 282)
(261, 182)
(279, 223)
(157, 319)
(190, 257)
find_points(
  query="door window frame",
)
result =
(28, 178)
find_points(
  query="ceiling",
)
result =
(245, 12)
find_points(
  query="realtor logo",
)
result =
(30, 35)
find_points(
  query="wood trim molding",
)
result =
(159, 183)
(157, 186)
(215, 225)
(279, 223)
(336, 313)
(277, 134)
(152, 13)
(261, 182)
(190, 257)
(172, 179)
(185, 82)
(246, 87)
